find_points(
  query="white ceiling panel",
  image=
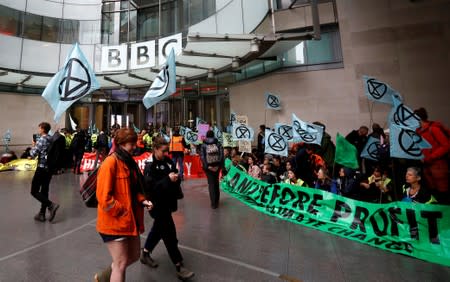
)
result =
(12, 78)
(227, 48)
(206, 62)
(38, 81)
(189, 72)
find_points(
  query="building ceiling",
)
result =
(203, 54)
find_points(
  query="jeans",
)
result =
(164, 228)
(213, 187)
(40, 186)
(178, 158)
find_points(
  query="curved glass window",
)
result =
(142, 20)
(10, 21)
(36, 27)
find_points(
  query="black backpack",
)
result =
(212, 154)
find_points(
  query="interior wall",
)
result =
(22, 114)
(405, 44)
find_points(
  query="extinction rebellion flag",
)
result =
(402, 115)
(242, 132)
(306, 132)
(272, 101)
(285, 130)
(164, 84)
(275, 144)
(74, 81)
(371, 150)
(378, 91)
(405, 143)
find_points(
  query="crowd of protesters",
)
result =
(382, 181)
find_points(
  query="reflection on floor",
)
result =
(232, 243)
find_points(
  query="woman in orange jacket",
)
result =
(120, 214)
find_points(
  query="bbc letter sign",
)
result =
(142, 55)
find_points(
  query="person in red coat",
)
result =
(435, 158)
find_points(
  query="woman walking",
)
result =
(120, 206)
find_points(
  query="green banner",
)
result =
(417, 230)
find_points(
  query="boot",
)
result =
(40, 217)
(52, 211)
(183, 273)
(147, 259)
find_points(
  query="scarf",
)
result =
(136, 177)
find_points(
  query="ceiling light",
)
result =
(210, 73)
(254, 45)
(235, 63)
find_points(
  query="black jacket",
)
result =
(159, 189)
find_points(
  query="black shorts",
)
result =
(109, 238)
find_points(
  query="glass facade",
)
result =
(49, 29)
(136, 21)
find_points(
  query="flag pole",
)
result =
(394, 179)
(265, 117)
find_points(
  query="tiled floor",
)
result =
(232, 243)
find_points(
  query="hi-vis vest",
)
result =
(298, 183)
(176, 144)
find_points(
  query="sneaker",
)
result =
(147, 259)
(40, 217)
(183, 273)
(52, 210)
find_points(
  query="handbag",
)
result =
(89, 188)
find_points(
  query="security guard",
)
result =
(177, 146)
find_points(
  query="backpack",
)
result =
(212, 154)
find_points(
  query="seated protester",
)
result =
(293, 179)
(26, 153)
(288, 166)
(378, 187)
(267, 175)
(413, 190)
(253, 169)
(278, 168)
(301, 163)
(226, 155)
(237, 163)
(324, 182)
(267, 160)
(347, 183)
(244, 163)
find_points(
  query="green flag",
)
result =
(346, 153)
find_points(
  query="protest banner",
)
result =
(245, 146)
(417, 230)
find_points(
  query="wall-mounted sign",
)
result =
(142, 54)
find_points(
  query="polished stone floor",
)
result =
(232, 243)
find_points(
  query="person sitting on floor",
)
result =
(413, 190)
(293, 179)
(324, 182)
